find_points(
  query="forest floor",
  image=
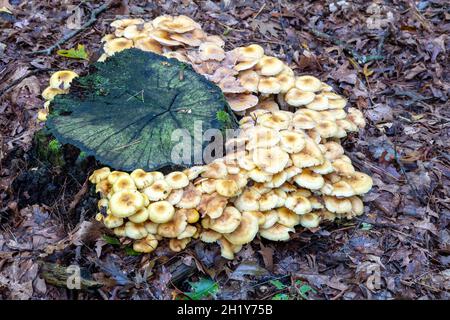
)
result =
(389, 58)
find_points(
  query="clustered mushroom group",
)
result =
(285, 168)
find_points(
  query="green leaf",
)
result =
(78, 53)
(203, 288)
(223, 116)
(278, 284)
(125, 111)
(366, 226)
(280, 296)
(110, 240)
(303, 289)
(130, 251)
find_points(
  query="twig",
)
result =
(72, 34)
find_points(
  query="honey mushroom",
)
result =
(291, 170)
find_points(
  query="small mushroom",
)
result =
(62, 79)
(277, 232)
(161, 211)
(246, 231)
(146, 245)
(308, 83)
(125, 203)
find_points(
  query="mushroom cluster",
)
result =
(59, 83)
(285, 168)
(274, 177)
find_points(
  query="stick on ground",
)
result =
(72, 34)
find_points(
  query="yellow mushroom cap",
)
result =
(249, 79)
(278, 120)
(308, 83)
(124, 183)
(177, 180)
(248, 200)
(104, 187)
(319, 103)
(277, 179)
(99, 175)
(333, 150)
(111, 221)
(245, 65)
(262, 137)
(157, 175)
(117, 45)
(296, 97)
(50, 93)
(246, 231)
(269, 85)
(288, 217)
(210, 236)
(148, 44)
(337, 103)
(151, 227)
(324, 168)
(271, 217)
(193, 38)
(309, 179)
(298, 203)
(123, 23)
(269, 105)
(135, 230)
(178, 24)
(360, 182)
(189, 232)
(310, 156)
(314, 115)
(159, 190)
(175, 196)
(357, 206)
(270, 66)
(227, 249)
(176, 245)
(272, 160)
(62, 79)
(107, 37)
(141, 178)
(326, 215)
(291, 141)
(241, 102)
(326, 128)
(337, 205)
(286, 81)
(227, 188)
(146, 245)
(120, 231)
(140, 216)
(212, 205)
(163, 37)
(227, 222)
(174, 227)
(192, 215)
(250, 53)
(125, 203)
(310, 220)
(277, 232)
(191, 198)
(347, 125)
(301, 121)
(211, 51)
(161, 211)
(343, 167)
(194, 172)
